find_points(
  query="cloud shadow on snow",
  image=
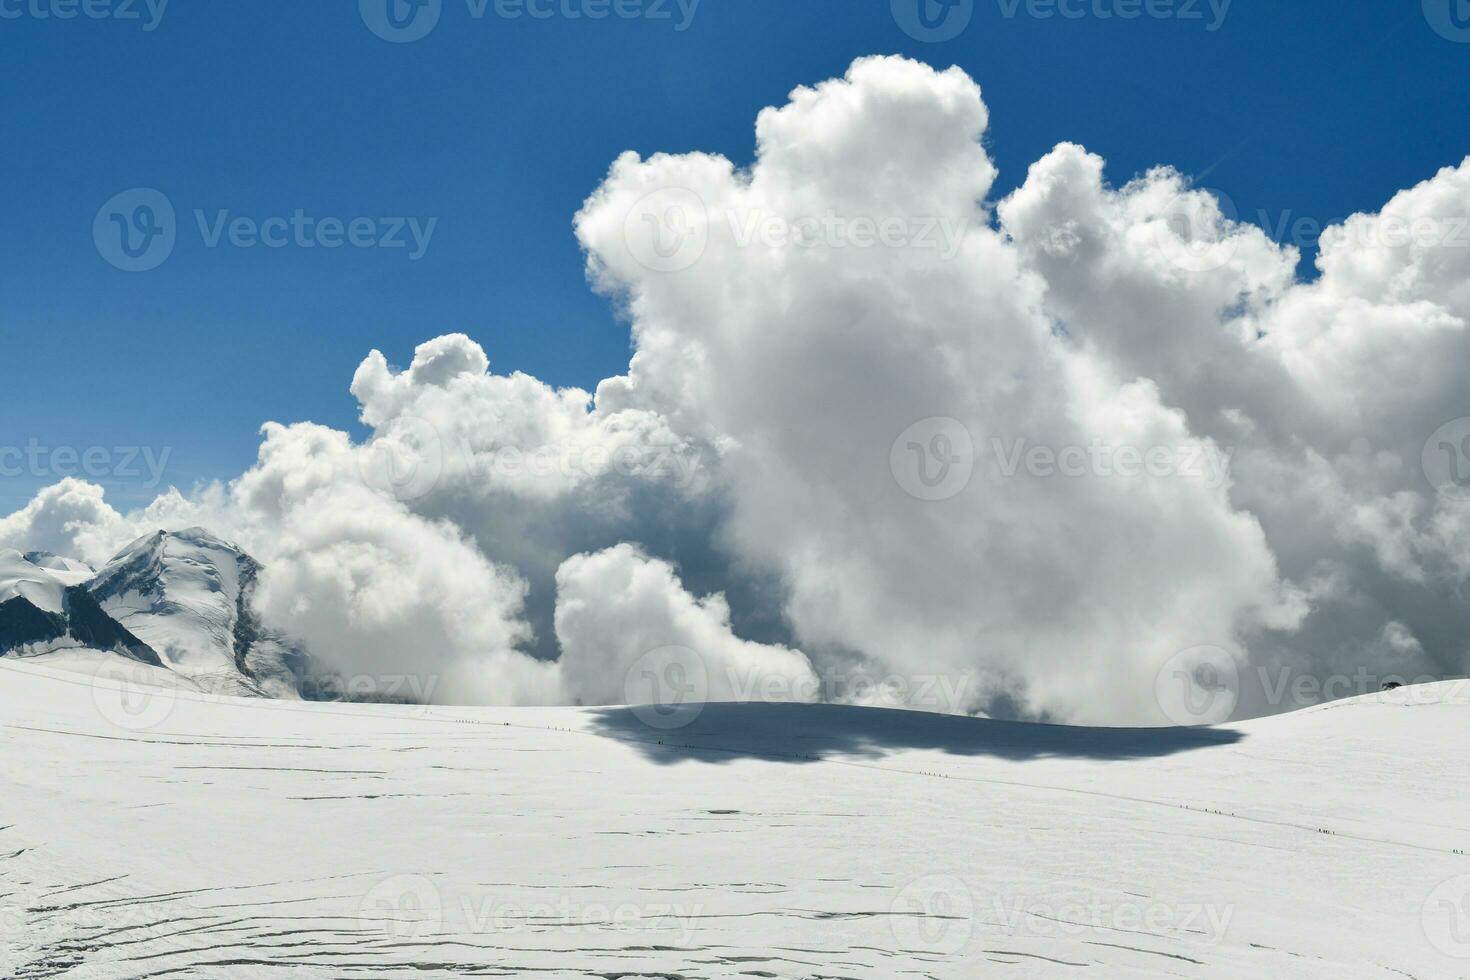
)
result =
(811, 732)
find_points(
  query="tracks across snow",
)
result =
(240, 839)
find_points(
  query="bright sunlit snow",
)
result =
(167, 834)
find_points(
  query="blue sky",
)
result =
(499, 127)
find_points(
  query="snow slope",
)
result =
(148, 833)
(38, 586)
(67, 571)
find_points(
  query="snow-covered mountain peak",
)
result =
(38, 586)
(191, 563)
(190, 553)
(175, 599)
(187, 594)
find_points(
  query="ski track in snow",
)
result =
(247, 838)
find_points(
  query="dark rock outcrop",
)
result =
(25, 627)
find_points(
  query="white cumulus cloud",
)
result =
(617, 607)
(1041, 445)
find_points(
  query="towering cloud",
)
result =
(885, 424)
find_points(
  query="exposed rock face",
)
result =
(23, 626)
